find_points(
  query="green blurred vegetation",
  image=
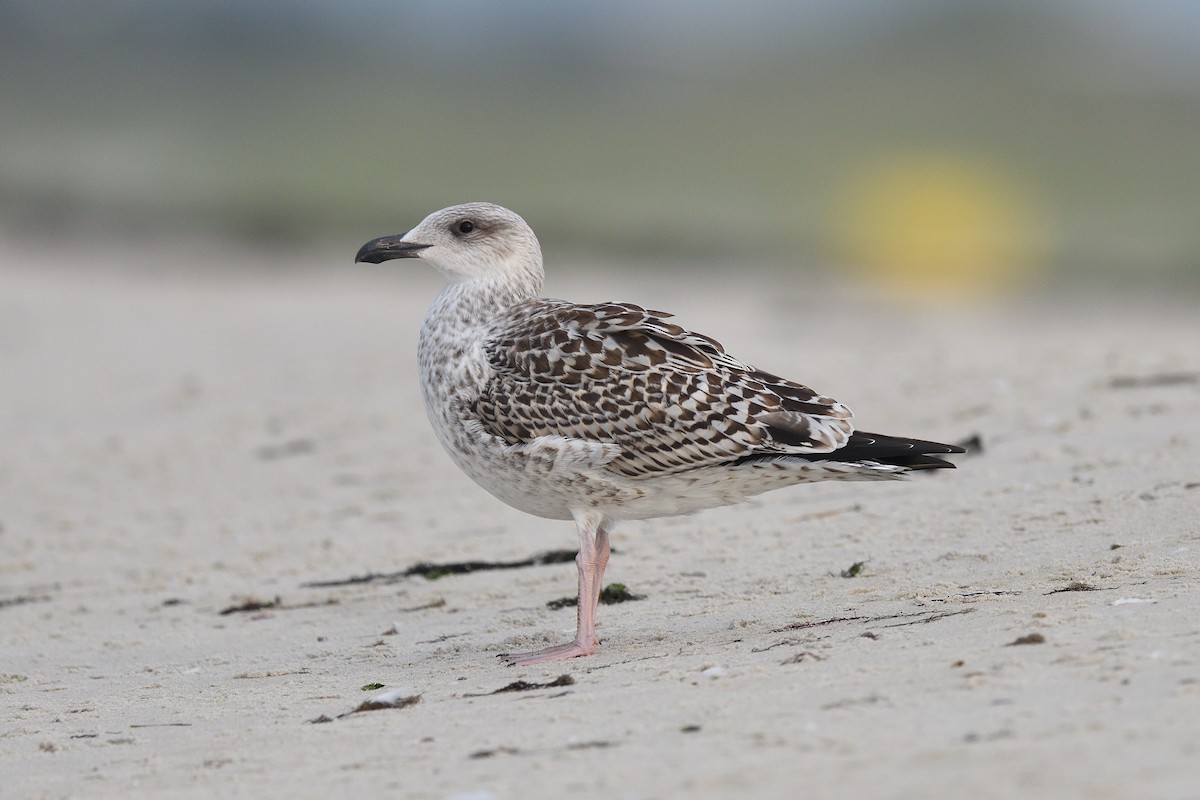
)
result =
(301, 132)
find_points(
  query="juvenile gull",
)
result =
(608, 412)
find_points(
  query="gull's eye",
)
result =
(466, 226)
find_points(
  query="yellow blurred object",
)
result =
(938, 224)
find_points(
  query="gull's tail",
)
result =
(895, 451)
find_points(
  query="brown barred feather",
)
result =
(617, 373)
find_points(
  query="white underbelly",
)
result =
(542, 486)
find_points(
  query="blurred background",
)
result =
(930, 145)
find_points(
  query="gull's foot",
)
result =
(558, 653)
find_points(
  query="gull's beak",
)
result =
(385, 248)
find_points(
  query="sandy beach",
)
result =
(197, 463)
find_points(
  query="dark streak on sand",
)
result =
(21, 600)
(1155, 379)
(1032, 638)
(435, 571)
(374, 704)
(253, 604)
(610, 595)
(525, 686)
(1077, 586)
(916, 618)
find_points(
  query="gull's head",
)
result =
(465, 243)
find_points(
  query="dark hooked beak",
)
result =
(385, 248)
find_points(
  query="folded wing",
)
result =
(670, 399)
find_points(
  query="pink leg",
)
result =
(591, 561)
(598, 567)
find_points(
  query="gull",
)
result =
(607, 412)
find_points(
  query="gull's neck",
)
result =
(450, 349)
(480, 300)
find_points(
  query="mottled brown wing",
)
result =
(672, 400)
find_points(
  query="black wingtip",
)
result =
(896, 451)
(892, 451)
(928, 462)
